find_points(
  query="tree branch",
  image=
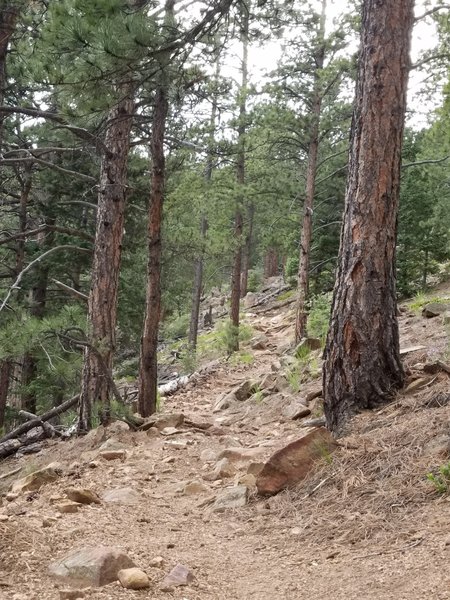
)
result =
(43, 228)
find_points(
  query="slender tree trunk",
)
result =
(148, 372)
(197, 291)
(362, 360)
(9, 13)
(8, 19)
(198, 276)
(271, 263)
(102, 304)
(311, 172)
(240, 178)
(247, 253)
(5, 375)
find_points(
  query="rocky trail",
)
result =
(365, 522)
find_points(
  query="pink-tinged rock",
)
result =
(178, 576)
(294, 462)
(91, 566)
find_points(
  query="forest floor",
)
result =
(366, 524)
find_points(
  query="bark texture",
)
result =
(362, 361)
(102, 304)
(148, 372)
(9, 13)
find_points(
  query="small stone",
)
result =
(10, 496)
(194, 488)
(222, 470)
(169, 431)
(178, 576)
(152, 432)
(248, 480)
(255, 468)
(169, 460)
(4, 518)
(415, 385)
(319, 422)
(72, 594)
(67, 507)
(113, 455)
(157, 562)
(133, 579)
(126, 496)
(296, 410)
(93, 464)
(259, 342)
(296, 531)
(49, 521)
(235, 497)
(208, 455)
(82, 496)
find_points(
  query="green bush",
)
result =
(441, 480)
(175, 328)
(319, 315)
(254, 280)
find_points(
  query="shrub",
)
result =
(441, 480)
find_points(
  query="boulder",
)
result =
(434, 309)
(259, 342)
(240, 393)
(163, 421)
(67, 507)
(178, 576)
(294, 462)
(250, 299)
(126, 496)
(235, 497)
(34, 481)
(194, 488)
(113, 455)
(133, 579)
(91, 566)
(307, 345)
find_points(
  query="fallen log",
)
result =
(48, 429)
(25, 427)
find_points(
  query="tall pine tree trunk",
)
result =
(362, 360)
(102, 305)
(148, 371)
(9, 13)
(233, 345)
(311, 172)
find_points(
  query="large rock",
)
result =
(295, 410)
(434, 309)
(235, 497)
(306, 345)
(222, 470)
(241, 455)
(34, 481)
(91, 566)
(295, 461)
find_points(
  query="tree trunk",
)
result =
(362, 360)
(148, 372)
(8, 19)
(102, 304)
(198, 277)
(270, 263)
(5, 374)
(311, 172)
(233, 345)
(197, 291)
(247, 254)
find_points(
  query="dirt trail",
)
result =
(366, 526)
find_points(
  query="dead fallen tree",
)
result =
(14, 440)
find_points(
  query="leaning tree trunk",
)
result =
(362, 359)
(102, 304)
(311, 172)
(148, 371)
(233, 344)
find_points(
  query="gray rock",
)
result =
(434, 309)
(235, 497)
(178, 576)
(34, 481)
(91, 566)
(222, 470)
(126, 496)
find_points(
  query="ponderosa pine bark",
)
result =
(247, 250)
(362, 366)
(102, 304)
(240, 178)
(9, 13)
(148, 371)
(310, 189)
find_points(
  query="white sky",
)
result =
(262, 59)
